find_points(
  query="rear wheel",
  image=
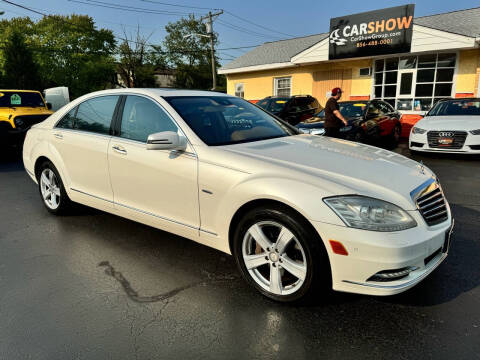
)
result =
(279, 254)
(52, 190)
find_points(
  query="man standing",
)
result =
(333, 118)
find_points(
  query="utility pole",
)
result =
(209, 25)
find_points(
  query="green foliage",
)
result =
(20, 69)
(190, 56)
(67, 50)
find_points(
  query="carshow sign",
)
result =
(380, 32)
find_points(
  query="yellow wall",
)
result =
(468, 70)
(259, 84)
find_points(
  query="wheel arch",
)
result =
(263, 202)
(38, 162)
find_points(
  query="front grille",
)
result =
(26, 121)
(433, 207)
(458, 137)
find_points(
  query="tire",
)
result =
(360, 137)
(54, 197)
(395, 136)
(300, 265)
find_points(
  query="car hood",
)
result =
(340, 166)
(464, 122)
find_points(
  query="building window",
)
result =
(283, 86)
(239, 90)
(414, 83)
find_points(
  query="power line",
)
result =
(135, 9)
(182, 6)
(245, 30)
(252, 23)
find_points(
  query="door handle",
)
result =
(58, 136)
(119, 149)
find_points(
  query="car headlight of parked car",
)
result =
(367, 213)
(18, 122)
(313, 131)
(417, 130)
(475, 132)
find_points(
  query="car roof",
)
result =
(16, 90)
(163, 92)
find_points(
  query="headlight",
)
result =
(313, 131)
(475, 132)
(416, 130)
(18, 122)
(317, 131)
(367, 213)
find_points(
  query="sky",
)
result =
(244, 23)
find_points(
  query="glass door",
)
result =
(405, 89)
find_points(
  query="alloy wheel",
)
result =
(274, 258)
(50, 189)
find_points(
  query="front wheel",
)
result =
(280, 254)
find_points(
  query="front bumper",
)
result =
(419, 142)
(371, 252)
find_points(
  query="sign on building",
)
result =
(380, 32)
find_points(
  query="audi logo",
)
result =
(446, 134)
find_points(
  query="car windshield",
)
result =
(20, 99)
(277, 104)
(222, 120)
(348, 110)
(456, 107)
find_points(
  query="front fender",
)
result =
(303, 197)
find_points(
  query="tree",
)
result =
(137, 64)
(190, 56)
(74, 53)
(20, 69)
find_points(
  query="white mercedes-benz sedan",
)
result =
(451, 126)
(298, 212)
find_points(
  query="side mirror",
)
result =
(49, 106)
(166, 140)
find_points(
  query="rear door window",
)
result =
(142, 117)
(95, 115)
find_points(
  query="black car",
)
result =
(292, 109)
(368, 121)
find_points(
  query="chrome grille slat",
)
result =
(435, 215)
(433, 196)
(433, 207)
(431, 204)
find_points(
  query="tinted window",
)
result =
(142, 117)
(456, 107)
(222, 120)
(95, 115)
(277, 104)
(67, 120)
(263, 103)
(20, 99)
(374, 109)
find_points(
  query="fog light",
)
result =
(392, 275)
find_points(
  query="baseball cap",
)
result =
(336, 91)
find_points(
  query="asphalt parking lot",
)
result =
(97, 286)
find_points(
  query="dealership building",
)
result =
(426, 58)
